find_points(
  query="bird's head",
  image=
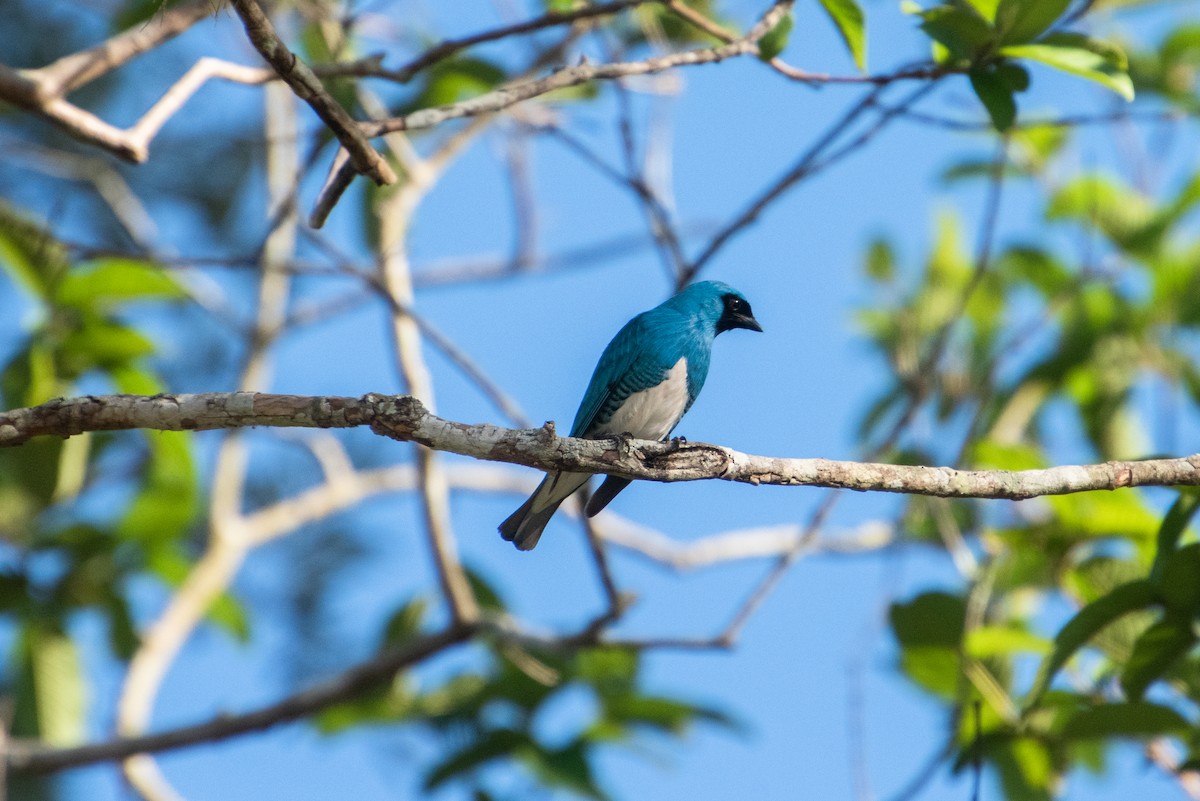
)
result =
(718, 305)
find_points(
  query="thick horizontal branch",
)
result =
(404, 418)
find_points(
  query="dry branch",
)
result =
(308, 88)
(353, 682)
(404, 418)
(43, 91)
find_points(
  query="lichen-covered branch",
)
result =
(404, 418)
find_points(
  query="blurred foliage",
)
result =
(496, 710)
(1074, 627)
(69, 558)
(1046, 363)
(993, 41)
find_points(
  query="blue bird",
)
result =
(646, 380)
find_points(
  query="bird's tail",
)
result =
(607, 491)
(524, 527)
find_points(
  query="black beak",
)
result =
(737, 314)
(746, 321)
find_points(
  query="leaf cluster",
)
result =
(494, 713)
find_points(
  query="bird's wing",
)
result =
(628, 365)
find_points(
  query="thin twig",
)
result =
(347, 685)
(507, 96)
(308, 88)
(450, 47)
(807, 165)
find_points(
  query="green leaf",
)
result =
(567, 768)
(665, 714)
(989, 641)
(457, 79)
(405, 624)
(1039, 143)
(1025, 768)
(1127, 216)
(1174, 525)
(988, 454)
(997, 97)
(611, 671)
(1137, 719)
(102, 344)
(1080, 56)
(1014, 76)
(1022, 21)
(168, 502)
(493, 745)
(484, 591)
(460, 697)
(930, 619)
(1155, 652)
(30, 254)
(28, 476)
(929, 629)
(108, 282)
(880, 261)
(774, 40)
(1088, 622)
(137, 12)
(123, 636)
(851, 24)
(51, 693)
(985, 8)
(653, 24)
(960, 30)
(369, 706)
(226, 611)
(1180, 582)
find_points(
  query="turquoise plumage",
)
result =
(646, 380)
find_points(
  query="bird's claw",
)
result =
(622, 440)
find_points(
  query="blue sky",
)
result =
(796, 390)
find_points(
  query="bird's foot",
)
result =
(677, 443)
(622, 440)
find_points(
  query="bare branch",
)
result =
(506, 96)
(43, 91)
(449, 47)
(70, 72)
(740, 544)
(38, 759)
(404, 418)
(308, 88)
(813, 160)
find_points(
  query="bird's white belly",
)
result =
(653, 412)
